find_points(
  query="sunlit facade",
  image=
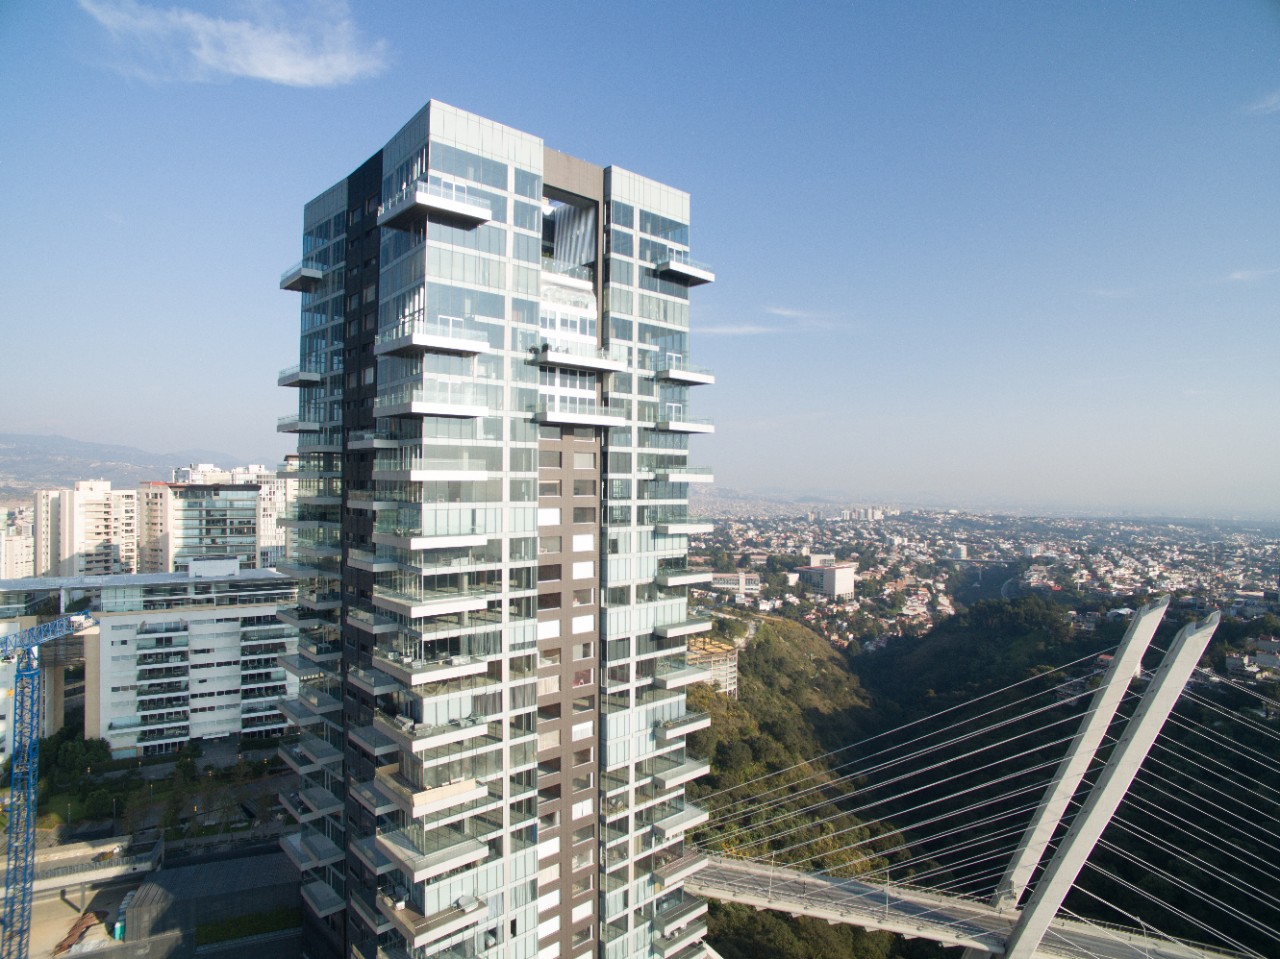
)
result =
(492, 530)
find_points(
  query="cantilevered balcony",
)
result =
(373, 740)
(680, 674)
(372, 681)
(418, 801)
(311, 851)
(679, 914)
(416, 466)
(583, 356)
(685, 627)
(372, 798)
(444, 334)
(372, 440)
(674, 368)
(683, 943)
(302, 277)
(683, 527)
(415, 672)
(682, 474)
(300, 374)
(371, 561)
(372, 623)
(678, 264)
(416, 737)
(420, 931)
(675, 420)
(682, 576)
(423, 855)
(462, 400)
(434, 602)
(367, 850)
(677, 772)
(321, 899)
(671, 730)
(434, 195)
(674, 865)
(297, 423)
(437, 527)
(580, 411)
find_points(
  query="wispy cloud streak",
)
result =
(1244, 276)
(316, 46)
(1268, 104)
(745, 329)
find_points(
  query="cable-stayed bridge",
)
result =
(997, 825)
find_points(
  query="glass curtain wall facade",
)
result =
(492, 523)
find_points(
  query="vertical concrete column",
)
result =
(53, 685)
(1122, 766)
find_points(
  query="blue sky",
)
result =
(991, 254)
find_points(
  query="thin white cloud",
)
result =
(1108, 294)
(794, 314)
(745, 329)
(1268, 104)
(312, 45)
(1244, 276)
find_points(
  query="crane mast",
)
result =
(24, 781)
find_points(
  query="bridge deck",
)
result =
(950, 920)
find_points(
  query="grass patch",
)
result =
(224, 930)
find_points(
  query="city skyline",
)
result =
(1031, 251)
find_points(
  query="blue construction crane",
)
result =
(23, 647)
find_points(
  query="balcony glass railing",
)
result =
(614, 354)
(449, 327)
(684, 259)
(440, 522)
(299, 267)
(446, 394)
(582, 406)
(480, 461)
(435, 186)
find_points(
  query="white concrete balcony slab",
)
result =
(450, 850)
(684, 943)
(420, 931)
(446, 334)
(675, 729)
(434, 195)
(677, 868)
(372, 681)
(372, 623)
(411, 540)
(680, 820)
(681, 773)
(293, 423)
(318, 751)
(677, 264)
(417, 802)
(458, 400)
(683, 474)
(373, 741)
(311, 851)
(372, 440)
(679, 423)
(583, 356)
(298, 375)
(437, 603)
(431, 474)
(318, 701)
(373, 799)
(302, 277)
(321, 899)
(299, 713)
(419, 737)
(685, 627)
(676, 369)
(296, 616)
(371, 562)
(579, 411)
(368, 852)
(683, 576)
(415, 672)
(684, 528)
(684, 676)
(680, 915)
(375, 920)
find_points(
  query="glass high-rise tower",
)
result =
(491, 538)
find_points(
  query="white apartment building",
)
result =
(17, 554)
(837, 581)
(183, 656)
(89, 530)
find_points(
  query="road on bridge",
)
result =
(922, 914)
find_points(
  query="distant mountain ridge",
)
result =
(29, 462)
